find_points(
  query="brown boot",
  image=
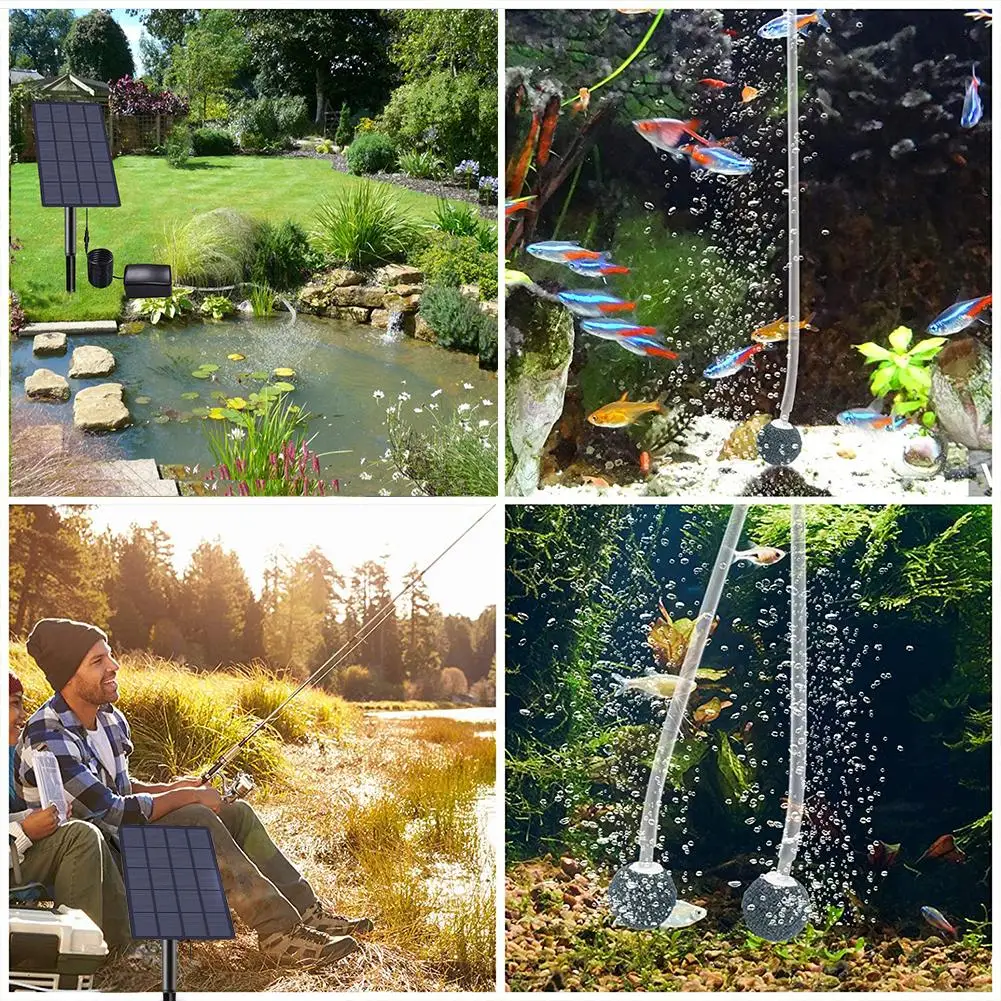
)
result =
(304, 946)
(320, 915)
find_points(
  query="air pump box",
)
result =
(59, 948)
(147, 281)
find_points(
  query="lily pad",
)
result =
(189, 396)
(259, 376)
(200, 412)
(142, 400)
(236, 357)
(200, 374)
(282, 387)
(218, 394)
(161, 419)
(209, 368)
(285, 373)
(237, 403)
(217, 414)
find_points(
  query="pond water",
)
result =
(472, 714)
(338, 368)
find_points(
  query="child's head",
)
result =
(16, 708)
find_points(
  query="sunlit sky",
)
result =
(465, 582)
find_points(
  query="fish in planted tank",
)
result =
(596, 268)
(959, 316)
(778, 330)
(778, 27)
(661, 686)
(973, 105)
(732, 363)
(717, 159)
(666, 133)
(872, 420)
(612, 330)
(515, 205)
(748, 94)
(593, 302)
(938, 920)
(562, 251)
(621, 413)
(647, 346)
(760, 556)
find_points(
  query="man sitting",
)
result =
(92, 743)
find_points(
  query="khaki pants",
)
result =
(262, 886)
(76, 860)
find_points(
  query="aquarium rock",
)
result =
(743, 441)
(44, 385)
(902, 148)
(961, 392)
(540, 339)
(101, 408)
(91, 362)
(53, 343)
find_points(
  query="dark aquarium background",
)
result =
(899, 704)
(895, 214)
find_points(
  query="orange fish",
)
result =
(749, 94)
(621, 413)
(645, 463)
(595, 481)
(583, 100)
(778, 330)
(710, 81)
(944, 848)
(959, 158)
(515, 205)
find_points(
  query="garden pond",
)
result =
(178, 376)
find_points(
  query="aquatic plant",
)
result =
(212, 249)
(262, 299)
(371, 152)
(457, 321)
(364, 226)
(903, 370)
(421, 163)
(175, 305)
(456, 456)
(216, 306)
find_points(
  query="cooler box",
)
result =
(53, 949)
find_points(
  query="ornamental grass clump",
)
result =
(364, 226)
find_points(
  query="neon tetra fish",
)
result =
(732, 363)
(760, 556)
(612, 330)
(717, 159)
(778, 330)
(515, 205)
(621, 413)
(872, 420)
(561, 251)
(591, 268)
(937, 919)
(778, 27)
(588, 302)
(646, 345)
(973, 105)
(959, 316)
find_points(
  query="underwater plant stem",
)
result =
(686, 682)
(792, 130)
(568, 199)
(797, 696)
(639, 48)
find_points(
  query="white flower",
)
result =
(384, 492)
(484, 424)
(378, 394)
(462, 408)
(238, 434)
(487, 403)
(432, 406)
(403, 397)
(418, 410)
(467, 385)
(437, 392)
(365, 476)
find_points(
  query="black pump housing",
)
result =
(148, 281)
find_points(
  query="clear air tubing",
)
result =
(797, 696)
(686, 683)
(792, 130)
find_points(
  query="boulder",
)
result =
(343, 277)
(539, 343)
(43, 384)
(401, 303)
(101, 408)
(91, 362)
(49, 344)
(423, 331)
(369, 296)
(489, 309)
(470, 291)
(407, 289)
(961, 392)
(353, 314)
(398, 274)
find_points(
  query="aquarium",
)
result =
(652, 269)
(829, 770)
(182, 380)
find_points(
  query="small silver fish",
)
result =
(760, 556)
(660, 686)
(683, 915)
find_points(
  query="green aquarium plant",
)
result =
(904, 371)
(216, 306)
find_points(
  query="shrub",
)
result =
(355, 683)
(453, 116)
(216, 306)
(133, 97)
(324, 146)
(455, 318)
(366, 125)
(461, 219)
(178, 147)
(208, 141)
(175, 305)
(370, 153)
(269, 123)
(421, 163)
(452, 682)
(343, 134)
(458, 260)
(363, 226)
(484, 692)
(282, 256)
(211, 249)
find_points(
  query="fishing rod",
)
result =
(243, 783)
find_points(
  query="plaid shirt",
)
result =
(91, 791)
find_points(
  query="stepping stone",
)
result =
(49, 344)
(71, 327)
(127, 478)
(43, 384)
(91, 362)
(101, 408)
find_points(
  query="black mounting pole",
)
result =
(70, 228)
(169, 969)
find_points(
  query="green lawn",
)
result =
(152, 192)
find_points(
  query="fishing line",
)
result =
(335, 659)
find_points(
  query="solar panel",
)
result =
(173, 884)
(74, 158)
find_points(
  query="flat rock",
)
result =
(401, 303)
(407, 289)
(354, 314)
(489, 308)
(470, 291)
(423, 331)
(343, 276)
(369, 296)
(398, 274)
(44, 385)
(101, 408)
(91, 362)
(70, 327)
(53, 343)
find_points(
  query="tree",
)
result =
(457, 646)
(163, 29)
(143, 588)
(37, 39)
(484, 644)
(209, 60)
(423, 636)
(454, 40)
(368, 599)
(96, 47)
(324, 55)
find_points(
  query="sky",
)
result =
(129, 23)
(467, 580)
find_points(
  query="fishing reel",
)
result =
(239, 787)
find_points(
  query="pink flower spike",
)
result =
(244, 490)
(240, 465)
(321, 490)
(224, 472)
(316, 464)
(273, 459)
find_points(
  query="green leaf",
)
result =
(155, 316)
(910, 379)
(873, 352)
(908, 406)
(927, 348)
(732, 770)
(900, 339)
(929, 419)
(882, 381)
